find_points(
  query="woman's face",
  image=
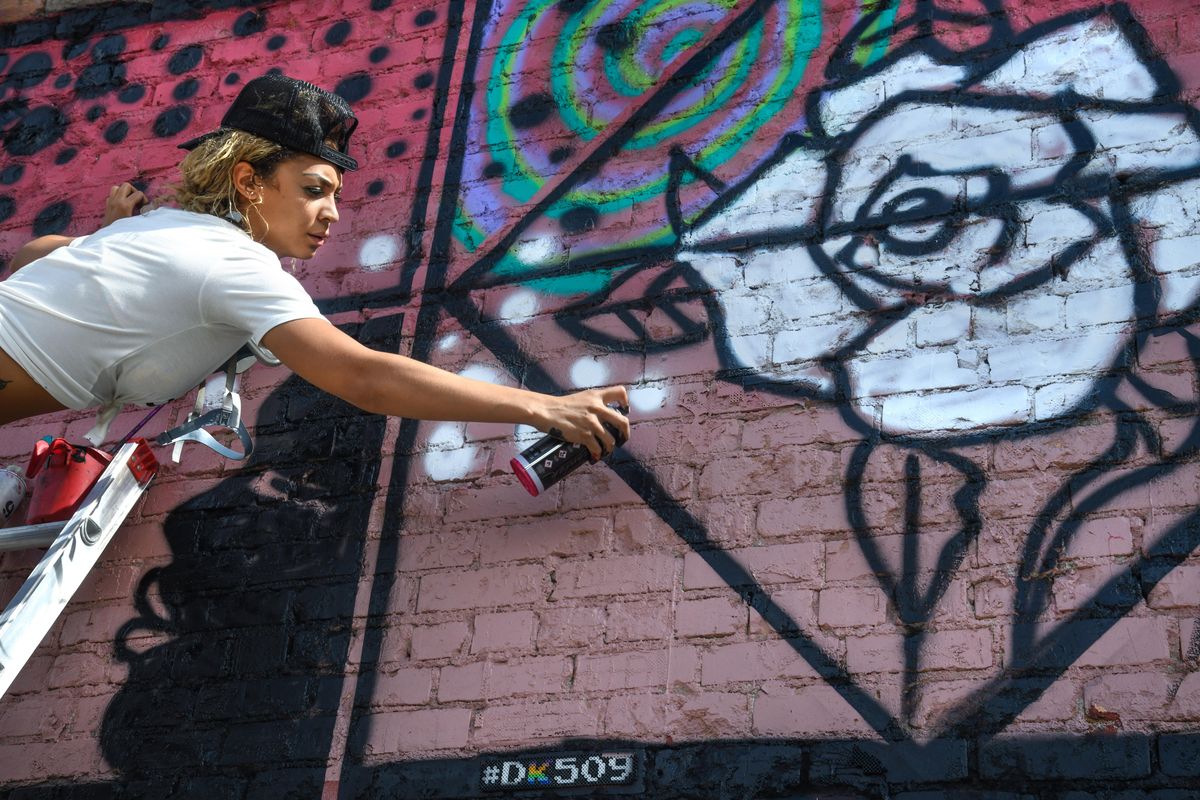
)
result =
(294, 207)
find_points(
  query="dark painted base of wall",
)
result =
(1124, 767)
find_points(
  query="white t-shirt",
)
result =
(143, 309)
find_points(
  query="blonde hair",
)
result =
(207, 186)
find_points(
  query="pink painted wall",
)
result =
(905, 302)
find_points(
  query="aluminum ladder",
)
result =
(74, 548)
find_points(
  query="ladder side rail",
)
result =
(52, 583)
(25, 537)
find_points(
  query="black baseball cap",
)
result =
(293, 113)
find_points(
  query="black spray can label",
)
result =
(548, 460)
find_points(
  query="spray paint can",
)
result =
(550, 459)
(12, 492)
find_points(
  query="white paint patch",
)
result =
(587, 372)
(449, 457)
(480, 372)
(543, 250)
(449, 341)
(520, 306)
(378, 251)
(646, 399)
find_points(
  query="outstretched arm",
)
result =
(385, 383)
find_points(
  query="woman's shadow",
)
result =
(257, 607)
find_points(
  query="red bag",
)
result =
(61, 474)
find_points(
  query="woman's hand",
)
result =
(578, 418)
(123, 201)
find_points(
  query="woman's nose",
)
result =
(329, 212)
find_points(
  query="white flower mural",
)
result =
(962, 247)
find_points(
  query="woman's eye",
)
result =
(315, 191)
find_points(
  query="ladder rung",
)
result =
(26, 537)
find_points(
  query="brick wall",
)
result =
(904, 294)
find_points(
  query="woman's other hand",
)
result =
(123, 201)
(579, 418)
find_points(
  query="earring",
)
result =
(234, 215)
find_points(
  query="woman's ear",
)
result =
(245, 180)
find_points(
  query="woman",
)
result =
(143, 309)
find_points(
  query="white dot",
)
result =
(448, 341)
(480, 372)
(538, 251)
(449, 465)
(647, 398)
(588, 372)
(519, 306)
(449, 458)
(377, 252)
(447, 436)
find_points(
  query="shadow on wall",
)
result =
(257, 604)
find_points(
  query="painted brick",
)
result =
(496, 586)
(595, 487)
(1132, 695)
(507, 499)
(461, 683)
(812, 514)
(404, 687)
(532, 721)
(695, 717)
(439, 641)
(874, 653)
(511, 630)
(636, 621)
(1179, 754)
(1088, 758)
(621, 575)
(394, 733)
(1131, 640)
(43, 716)
(1098, 538)
(991, 598)
(797, 604)
(636, 670)
(1104, 584)
(1178, 588)
(812, 711)
(716, 616)
(437, 551)
(782, 563)
(851, 607)
(636, 715)
(753, 661)
(569, 628)
(638, 529)
(790, 426)
(543, 675)
(540, 539)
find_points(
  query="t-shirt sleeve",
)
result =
(253, 294)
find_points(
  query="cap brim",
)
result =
(335, 157)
